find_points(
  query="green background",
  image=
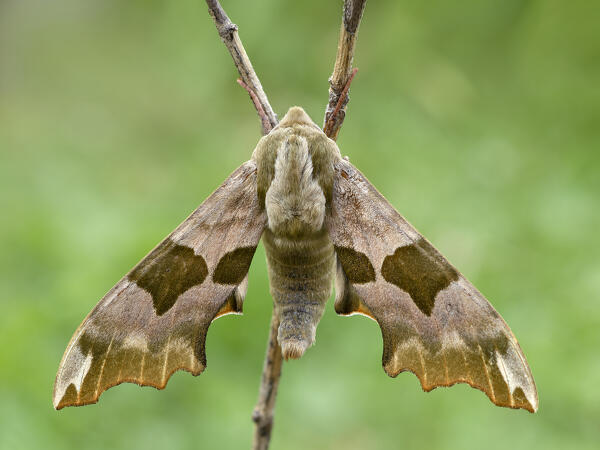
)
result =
(479, 120)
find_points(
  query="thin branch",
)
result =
(266, 125)
(230, 37)
(264, 410)
(342, 101)
(342, 69)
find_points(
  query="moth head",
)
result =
(296, 116)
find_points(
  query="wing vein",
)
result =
(487, 374)
(103, 364)
(467, 371)
(141, 375)
(420, 352)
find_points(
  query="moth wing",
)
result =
(154, 321)
(434, 322)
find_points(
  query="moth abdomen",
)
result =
(301, 276)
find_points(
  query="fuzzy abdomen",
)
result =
(301, 278)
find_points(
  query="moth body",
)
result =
(301, 278)
(295, 163)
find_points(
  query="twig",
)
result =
(266, 125)
(342, 69)
(342, 101)
(229, 35)
(264, 410)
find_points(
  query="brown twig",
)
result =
(266, 125)
(342, 101)
(342, 69)
(264, 410)
(230, 37)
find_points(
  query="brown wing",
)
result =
(433, 321)
(154, 321)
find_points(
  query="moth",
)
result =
(320, 220)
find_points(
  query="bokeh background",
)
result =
(479, 120)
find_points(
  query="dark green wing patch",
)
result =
(419, 270)
(233, 266)
(356, 265)
(167, 272)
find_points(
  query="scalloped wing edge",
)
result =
(159, 387)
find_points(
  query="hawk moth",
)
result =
(320, 220)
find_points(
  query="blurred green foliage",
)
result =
(479, 120)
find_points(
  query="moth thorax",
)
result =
(295, 202)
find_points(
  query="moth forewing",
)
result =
(154, 321)
(434, 323)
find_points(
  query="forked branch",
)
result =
(341, 77)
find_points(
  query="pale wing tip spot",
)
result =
(72, 371)
(516, 375)
(535, 405)
(56, 401)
